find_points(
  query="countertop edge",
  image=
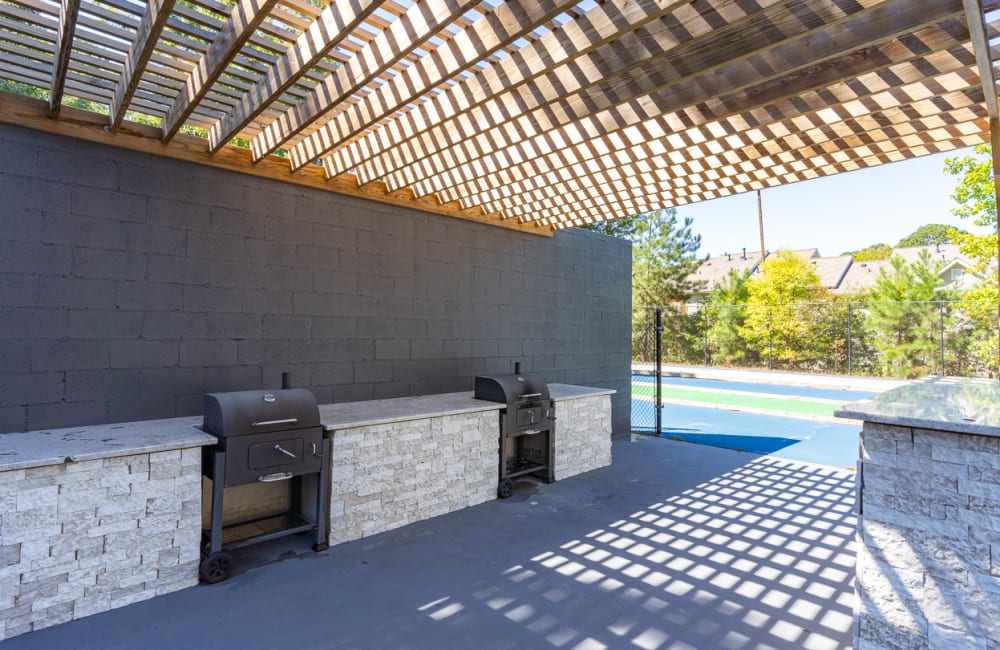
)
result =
(372, 422)
(194, 438)
(920, 423)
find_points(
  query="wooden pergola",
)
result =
(530, 114)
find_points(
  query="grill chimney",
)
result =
(744, 252)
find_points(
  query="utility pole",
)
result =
(760, 224)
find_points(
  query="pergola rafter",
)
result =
(800, 59)
(528, 115)
(669, 135)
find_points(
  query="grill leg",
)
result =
(218, 485)
(323, 499)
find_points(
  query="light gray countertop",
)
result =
(73, 444)
(384, 411)
(57, 446)
(956, 404)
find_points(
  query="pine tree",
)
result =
(904, 317)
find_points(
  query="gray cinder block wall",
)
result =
(131, 284)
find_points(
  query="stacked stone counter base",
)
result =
(400, 461)
(583, 429)
(120, 524)
(928, 566)
(390, 475)
(99, 517)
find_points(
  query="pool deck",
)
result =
(673, 546)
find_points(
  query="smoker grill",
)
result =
(264, 437)
(527, 426)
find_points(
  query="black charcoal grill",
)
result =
(527, 426)
(264, 437)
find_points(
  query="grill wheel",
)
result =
(215, 568)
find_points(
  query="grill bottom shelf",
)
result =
(521, 468)
(263, 529)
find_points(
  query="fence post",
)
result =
(704, 321)
(658, 406)
(770, 340)
(941, 332)
(849, 364)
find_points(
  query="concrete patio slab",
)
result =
(675, 546)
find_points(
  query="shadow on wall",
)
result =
(761, 556)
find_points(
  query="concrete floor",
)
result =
(675, 546)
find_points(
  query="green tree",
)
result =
(904, 317)
(664, 255)
(623, 228)
(930, 234)
(975, 195)
(726, 311)
(776, 326)
(871, 253)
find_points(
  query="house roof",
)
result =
(862, 276)
(831, 270)
(531, 114)
(714, 269)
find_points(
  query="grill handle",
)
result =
(530, 395)
(282, 450)
(272, 423)
(271, 478)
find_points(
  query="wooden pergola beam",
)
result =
(32, 113)
(338, 20)
(649, 170)
(496, 30)
(672, 151)
(815, 91)
(68, 12)
(153, 21)
(244, 19)
(413, 29)
(598, 26)
(815, 167)
(736, 173)
(793, 60)
(984, 60)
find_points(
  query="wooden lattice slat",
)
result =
(535, 115)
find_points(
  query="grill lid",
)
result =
(511, 388)
(258, 411)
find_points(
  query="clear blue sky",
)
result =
(835, 214)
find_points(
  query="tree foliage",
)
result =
(774, 325)
(664, 255)
(930, 234)
(975, 195)
(623, 228)
(726, 311)
(871, 253)
(900, 313)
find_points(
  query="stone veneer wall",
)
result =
(583, 435)
(80, 538)
(928, 571)
(386, 476)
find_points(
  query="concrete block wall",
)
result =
(928, 570)
(81, 538)
(583, 435)
(386, 476)
(130, 285)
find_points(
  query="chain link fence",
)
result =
(882, 339)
